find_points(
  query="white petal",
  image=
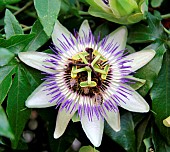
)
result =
(36, 60)
(39, 98)
(58, 36)
(134, 102)
(139, 59)
(113, 119)
(84, 28)
(86, 38)
(62, 121)
(118, 36)
(93, 129)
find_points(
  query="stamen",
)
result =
(95, 60)
(83, 58)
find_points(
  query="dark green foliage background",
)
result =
(27, 26)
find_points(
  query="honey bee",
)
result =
(98, 98)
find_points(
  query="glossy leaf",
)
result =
(139, 33)
(16, 43)
(34, 76)
(160, 95)
(60, 144)
(47, 11)
(150, 71)
(126, 136)
(160, 144)
(6, 73)
(39, 39)
(142, 133)
(18, 114)
(12, 26)
(102, 30)
(5, 56)
(5, 129)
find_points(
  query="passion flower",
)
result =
(88, 77)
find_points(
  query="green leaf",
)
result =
(6, 73)
(5, 2)
(139, 33)
(126, 136)
(142, 133)
(12, 26)
(160, 95)
(5, 57)
(39, 39)
(63, 143)
(16, 110)
(156, 3)
(87, 149)
(5, 129)
(17, 43)
(138, 82)
(34, 76)
(159, 143)
(102, 30)
(47, 11)
(150, 71)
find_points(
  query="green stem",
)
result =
(27, 28)
(13, 7)
(165, 16)
(23, 8)
(167, 31)
(78, 4)
(83, 13)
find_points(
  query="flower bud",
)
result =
(119, 11)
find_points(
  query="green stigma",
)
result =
(91, 62)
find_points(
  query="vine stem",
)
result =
(25, 27)
(165, 16)
(83, 13)
(23, 8)
(13, 7)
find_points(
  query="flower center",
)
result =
(88, 70)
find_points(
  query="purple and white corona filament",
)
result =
(87, 76)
